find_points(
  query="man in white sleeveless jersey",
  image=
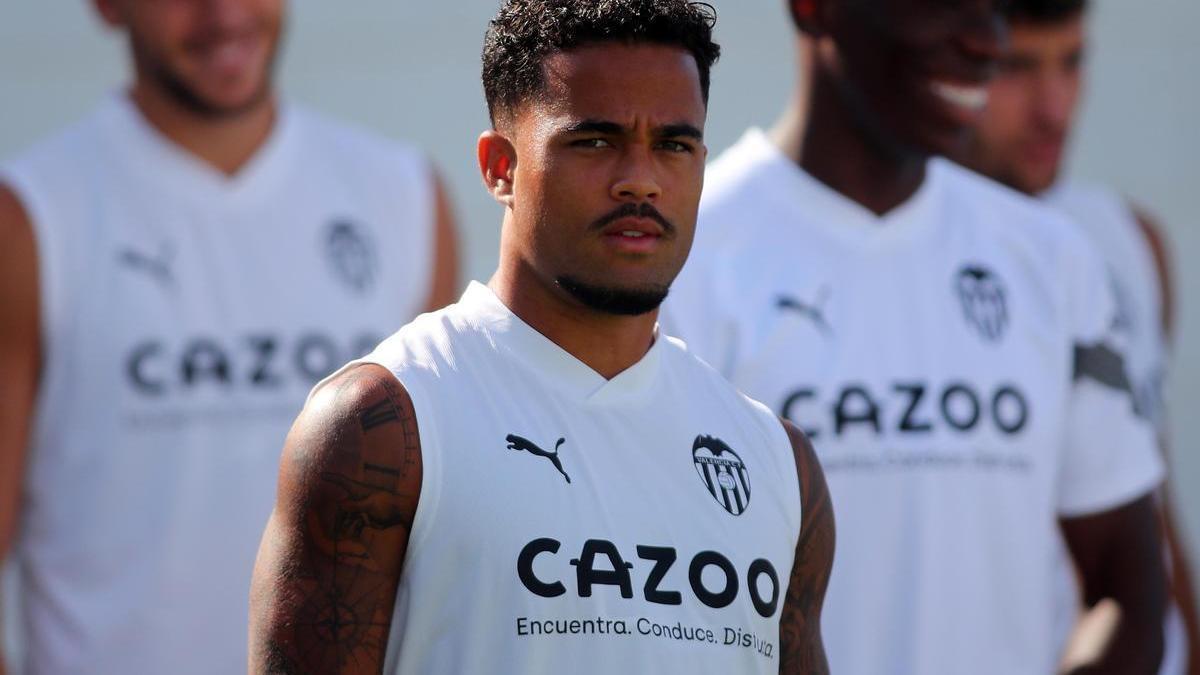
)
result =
(945, 344)
(534, 480)
(178, 269)
(1020, 141)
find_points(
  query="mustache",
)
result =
(629, 210)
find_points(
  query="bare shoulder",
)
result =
(360, 420)
(14, 220)
(349, 483)
(444, 277)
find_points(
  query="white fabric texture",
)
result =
(930, 354)
(518, 565)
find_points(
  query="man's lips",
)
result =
(230, 55)
(634, 235)
(634, 227)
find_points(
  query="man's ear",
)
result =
(497, 165)
(109, 12)
(810, 16)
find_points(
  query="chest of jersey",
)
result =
(629, 534)
(895, 362)
(236, 309)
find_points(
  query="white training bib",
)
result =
(569, 523)
(952, 363)
(185, 316)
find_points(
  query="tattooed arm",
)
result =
(801, 647)
(325, 580)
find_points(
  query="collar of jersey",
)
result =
(830, 210)
(160, 159)
(553, 363)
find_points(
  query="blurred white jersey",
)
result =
(569, 523)
(185, 315)
(1133, 273)
(952, 363)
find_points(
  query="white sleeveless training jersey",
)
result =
(1133, 272)
(951, 363)
(185, 316)
(569, 523)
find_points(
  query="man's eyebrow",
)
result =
(594, 127)
(607, 128)
(677, 130)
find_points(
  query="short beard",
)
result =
(187, 98)
(615, 301)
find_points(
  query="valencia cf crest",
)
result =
(984, 301)
(723, 473)
(351, 255)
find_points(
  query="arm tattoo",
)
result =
(354, 500)
(801, 647)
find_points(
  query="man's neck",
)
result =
(224, 142)
(606, 343)
(819, 134)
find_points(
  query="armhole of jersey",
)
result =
(53, 306)
(778, 437)
(431, 468)
(1147, 234)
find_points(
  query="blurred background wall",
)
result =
(410, 70)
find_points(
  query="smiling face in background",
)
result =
(607, 168)
(911, 73)
(1022, 135)
(212, 57)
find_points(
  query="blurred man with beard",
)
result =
(177, 270)
(1020, 141)
(946, 344)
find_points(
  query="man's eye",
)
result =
(591, 143)
(675, 146)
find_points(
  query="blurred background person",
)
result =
(1021, 141)
(946, 344)
(178, 269)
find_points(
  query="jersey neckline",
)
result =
(830, 210)
(505, 329)
(174, 165)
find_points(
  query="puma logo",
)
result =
(814, 311)
(517, 443)
(158, 267)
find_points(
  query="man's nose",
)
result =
(636, 178)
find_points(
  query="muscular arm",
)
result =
(443, 288)
(325, 580)
(801, 647)
(20, 358)
(1119, 557)
(1182, 589)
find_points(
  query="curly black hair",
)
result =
(525, 32)
(1043, 11)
